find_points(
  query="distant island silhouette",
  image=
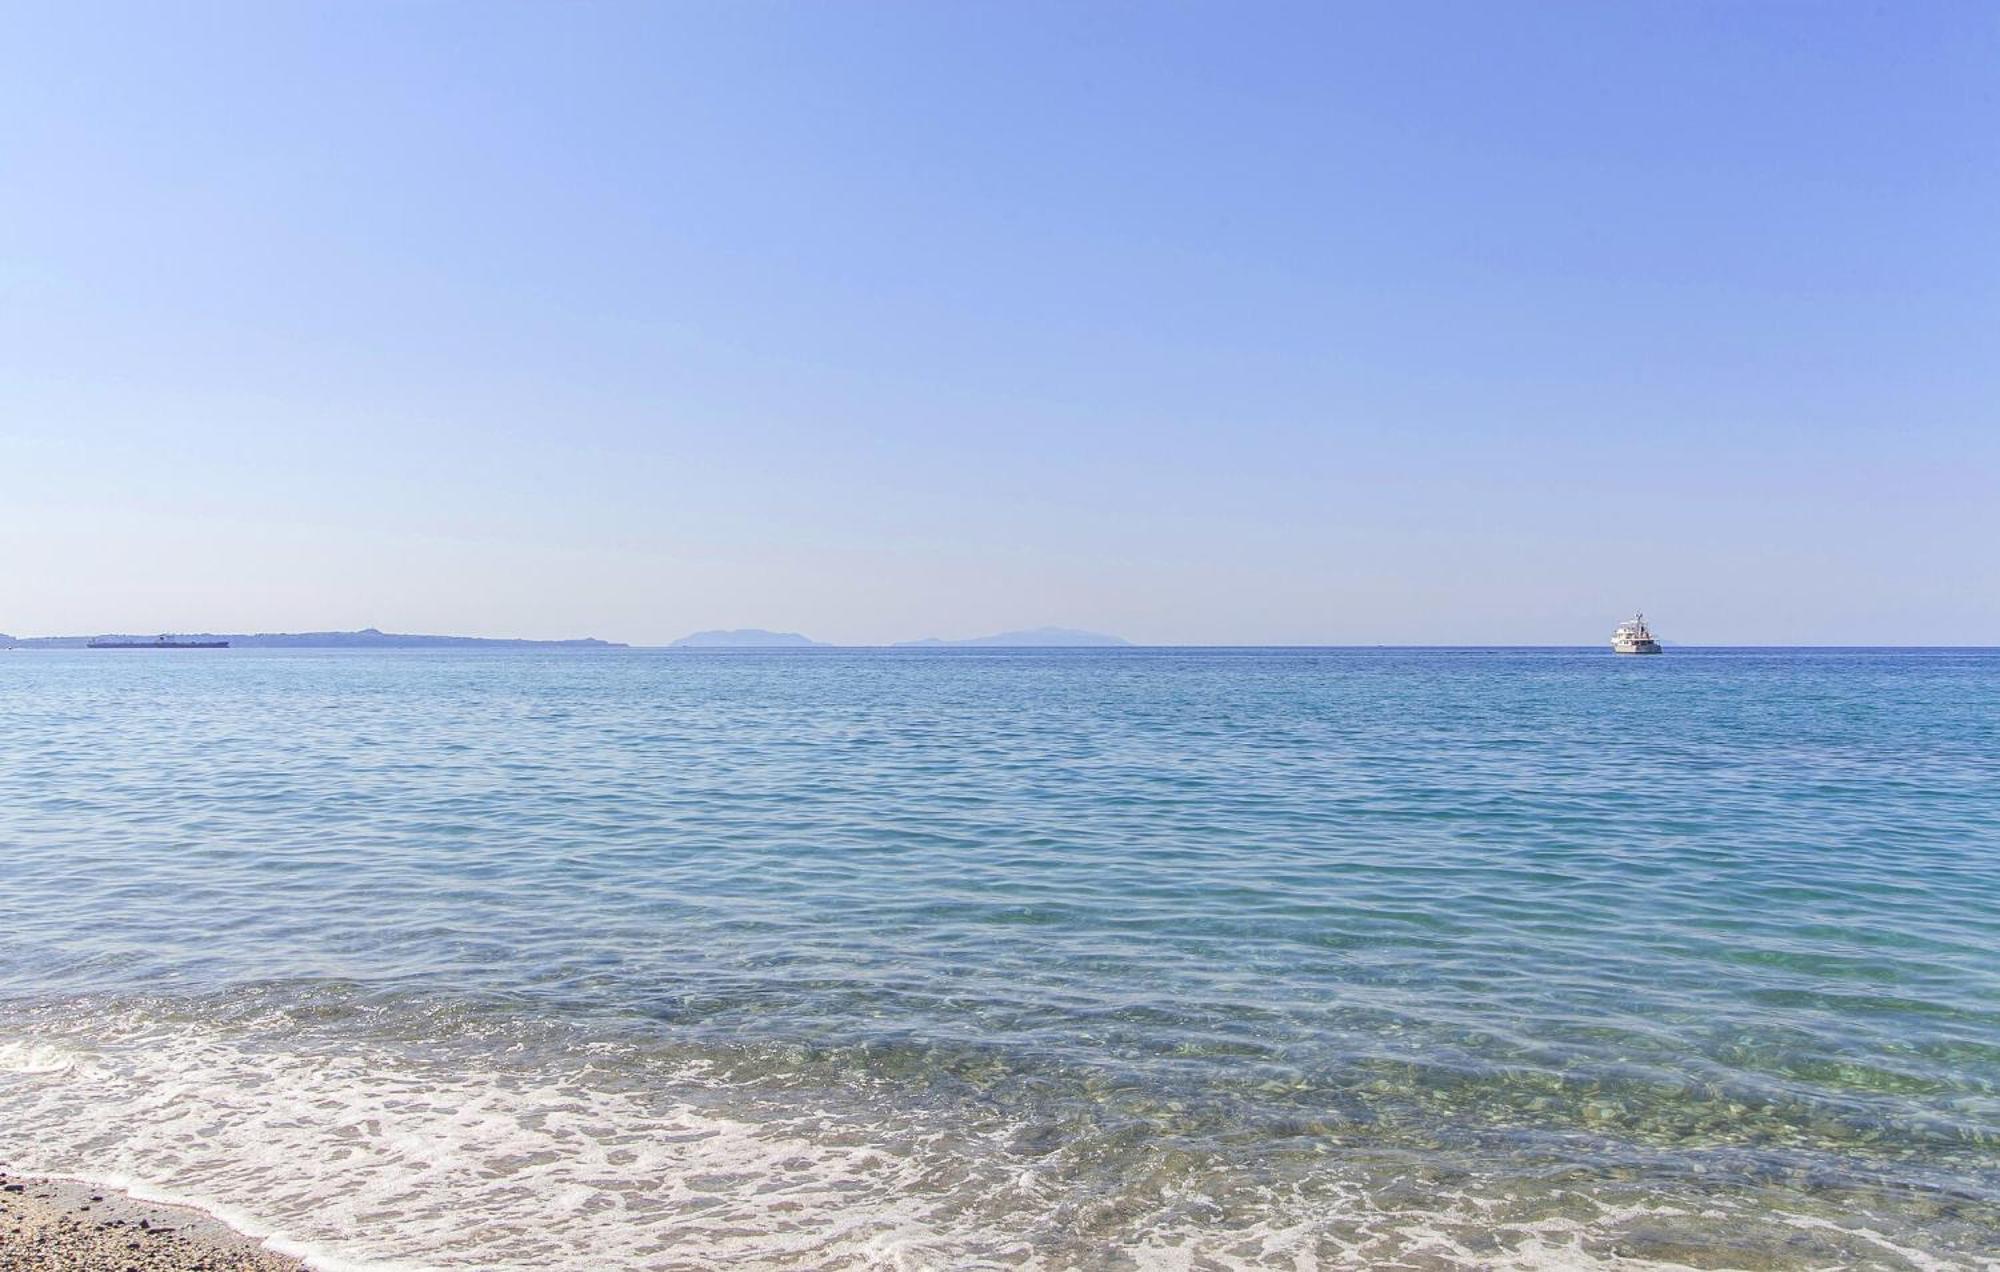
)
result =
(731, 638)
(746, 638)
(366, 638)
(1032, 638)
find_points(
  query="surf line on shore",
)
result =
(115, 1223)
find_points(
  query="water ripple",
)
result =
(1439, 958)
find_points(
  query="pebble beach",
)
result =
(77, 1227)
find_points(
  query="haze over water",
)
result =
(1184, 958)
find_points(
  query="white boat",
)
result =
(1634, 637)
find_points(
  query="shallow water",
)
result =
(1426, 959)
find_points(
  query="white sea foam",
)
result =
(363, 1156)
(29, 1057)
(350, 1162)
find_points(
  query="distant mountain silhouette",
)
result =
(747, 638)
(366, 638)
(1039, 637)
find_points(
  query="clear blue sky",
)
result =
(1224, 322)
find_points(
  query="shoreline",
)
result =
(49, 1223)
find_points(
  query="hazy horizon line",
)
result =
(578, 645)
(1104, 642)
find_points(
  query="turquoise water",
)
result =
(1315, 958)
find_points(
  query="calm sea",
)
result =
(1180, 959)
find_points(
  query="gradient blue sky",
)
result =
(1394, 322)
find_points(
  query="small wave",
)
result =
(504, 1153)
(31, 1058)
(365, 1160)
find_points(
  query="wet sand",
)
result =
(57, 1223)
